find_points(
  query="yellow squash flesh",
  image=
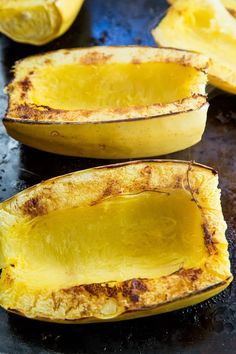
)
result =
(114, 242)
(230, 5)
(37, 21)
(109, 102)
(206, 27)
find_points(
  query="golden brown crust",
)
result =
(32, 114)
(131, 312)
(22, 110)
(200, 62)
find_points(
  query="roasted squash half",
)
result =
(114, 242)
(109, 102)
(37, 21)
(206, 27)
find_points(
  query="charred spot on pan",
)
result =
(138, 40)
(100, 40)
(103, 37)
(33, 207)
(95, 58)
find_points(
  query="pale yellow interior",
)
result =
(146, 235)
(205, 27)
(211, 37)
(91, 87)
(29, 20)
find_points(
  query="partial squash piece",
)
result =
(37, 21)
(109, 102)
(206, 27)
(114, 242)
(230, 5)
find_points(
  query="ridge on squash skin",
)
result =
(124, 298)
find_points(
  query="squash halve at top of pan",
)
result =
(109, 102)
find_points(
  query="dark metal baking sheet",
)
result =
(208, 328)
